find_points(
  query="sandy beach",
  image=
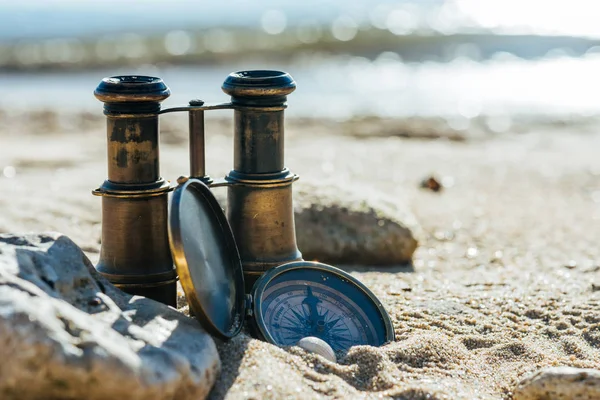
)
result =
(505, 281)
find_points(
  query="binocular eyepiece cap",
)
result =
(259, 85)
(131, 88)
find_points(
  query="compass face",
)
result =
(328, 304)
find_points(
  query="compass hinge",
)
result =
(249, 311)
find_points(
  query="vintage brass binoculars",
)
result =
(135, 253)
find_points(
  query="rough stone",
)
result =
(560, 383)
(352, 226)
(340, 225)
(67, 333)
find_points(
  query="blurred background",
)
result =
(455, 59)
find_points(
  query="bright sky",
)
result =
(564, 17)
(572, 17)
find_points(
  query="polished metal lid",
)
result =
(258, 87)
(207, 259)
(132, 88)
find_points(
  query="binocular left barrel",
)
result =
(135, 254)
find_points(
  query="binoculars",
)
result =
(135, 253)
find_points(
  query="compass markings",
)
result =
(313, 311)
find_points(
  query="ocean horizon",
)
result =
(384, 58)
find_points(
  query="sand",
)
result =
(506, 279)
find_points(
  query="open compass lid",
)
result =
(207, 259)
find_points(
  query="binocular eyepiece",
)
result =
(135, 253)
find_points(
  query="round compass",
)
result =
(301, 299)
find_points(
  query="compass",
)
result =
(302, 299)
(287, 303)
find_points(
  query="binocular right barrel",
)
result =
(259, 197)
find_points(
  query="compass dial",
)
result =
(310, 300)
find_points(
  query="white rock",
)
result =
(560, 383)
(65, 332)
(318, 346)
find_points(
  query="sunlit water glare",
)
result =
(348, 86)
(337, 87)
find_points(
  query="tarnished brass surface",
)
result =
(197, 150)
(197, 153)
(133, 149)
(262, 220)
(258, 143)
(259, 197)
(127, 257)
(135, 253)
